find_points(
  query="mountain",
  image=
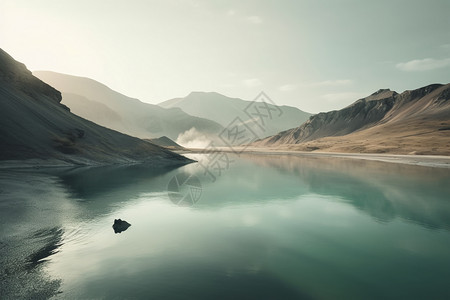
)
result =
(415, 122)
(165, 142)
(224, 110)
(35, 125)
(98, 103)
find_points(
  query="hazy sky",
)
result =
(317, 55)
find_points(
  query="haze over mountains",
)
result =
(192, 121)
(35, 125)
(413, 122)
(96, 102)
(224, 110)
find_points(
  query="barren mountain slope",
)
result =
(416, 121)
(35, 125)
(93, 100)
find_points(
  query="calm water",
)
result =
(268, 227)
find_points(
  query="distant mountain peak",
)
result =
(224, 110)
(204, 94)
(381, 94)
(381, 91)
(97, 102)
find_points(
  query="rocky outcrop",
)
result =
(120, 225)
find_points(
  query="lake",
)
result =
(258, 227)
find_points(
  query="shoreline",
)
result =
(36, 163)
(435, 161)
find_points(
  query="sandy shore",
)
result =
(437, 161)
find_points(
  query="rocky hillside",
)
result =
(98, 103)
(416, 121)
(35, 125)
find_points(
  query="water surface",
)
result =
(267, 227)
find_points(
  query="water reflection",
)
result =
(184, 189)
(383, 190)
(31, 233)
(52, 241)
(93, 182)
(271, 227)
(44, 211)
(100, 190)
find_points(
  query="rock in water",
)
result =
(120, 225)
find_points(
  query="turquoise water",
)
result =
(266, 227)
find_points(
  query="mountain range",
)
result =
(413, 122)
(224, 110)
(36, 127)
(38, 121)
(98, 103)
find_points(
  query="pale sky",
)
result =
(317, 55)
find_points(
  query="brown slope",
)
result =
(412, 122)
(360, 114)
(34, 125)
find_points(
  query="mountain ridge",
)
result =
(425, 111)
(137, 118)
(224, 110)
(36, 126)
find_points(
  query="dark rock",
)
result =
(16, 74)
(120, 225)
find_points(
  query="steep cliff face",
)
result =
(35, 125)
